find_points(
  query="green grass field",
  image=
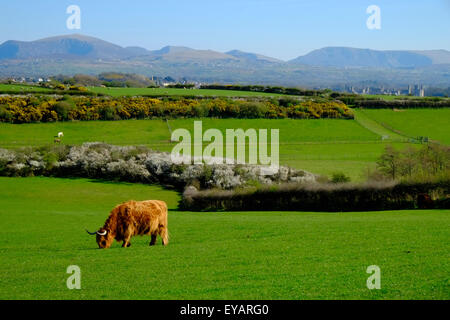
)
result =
(118, 92)
(374, 126)
(432, 123)
(242, 255)
(22, 88)
(127, 132)
(239, 255)
(387, 97)
(320, 146)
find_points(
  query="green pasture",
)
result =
(374, 126)
(22, 89)
(119, 92)
(153, 133)
(320, 146)
(241, 255)
(387, 97)
(323, 146)
(432, 123)
(155, 92)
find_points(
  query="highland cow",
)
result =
(134, 218)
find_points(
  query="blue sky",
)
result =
(283, 29)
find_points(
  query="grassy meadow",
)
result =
(432, 123)
(321, 146)
(22, 88)
(239, 255)
(151, 92)
(242, 255)
(120, 92)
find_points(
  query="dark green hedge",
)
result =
(266, 89)
(328, 198)
(357, 101)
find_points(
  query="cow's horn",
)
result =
(91, 233)
(103, 233)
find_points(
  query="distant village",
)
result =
(417, 90)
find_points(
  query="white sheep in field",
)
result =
(58, 137)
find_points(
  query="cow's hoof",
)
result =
(128, 245)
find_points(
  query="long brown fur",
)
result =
(135, 218)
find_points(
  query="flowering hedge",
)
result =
(134, 164)
(26, 109)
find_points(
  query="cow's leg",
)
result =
(126, 241)
(126, 244)
(153, 240)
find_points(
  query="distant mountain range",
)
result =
(351, 57)
(323, 67)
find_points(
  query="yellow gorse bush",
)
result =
(26, 109)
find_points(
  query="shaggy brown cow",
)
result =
(134, 218)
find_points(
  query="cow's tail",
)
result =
(165, 236)
(164, 231)
(166, 227)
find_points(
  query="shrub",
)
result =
(5, 114)
(108, 113)
(339, 177)
(62, 109)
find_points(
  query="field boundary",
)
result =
(378, 128)
(409, 138)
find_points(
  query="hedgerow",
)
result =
(26, 109)
(134, 164)
(373, 196)
(358, 101)
(401, 179)
(265, 89)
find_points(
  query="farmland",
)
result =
(156, 92)
(22, 89)
(213, 255)
(432, 123)
(153, 92)
(320, 146)
(238, 255)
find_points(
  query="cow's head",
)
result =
(103, 237)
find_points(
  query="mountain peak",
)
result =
(251, 56)
(172, 49)
(63, 46)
